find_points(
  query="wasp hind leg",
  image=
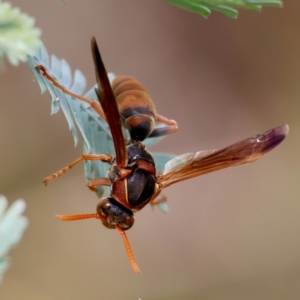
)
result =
(171, 128)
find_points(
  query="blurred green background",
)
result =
(233, 234)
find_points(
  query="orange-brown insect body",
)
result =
(135, 106)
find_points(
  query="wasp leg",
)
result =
(94, 104)
(161, 202)
(158, 200)
(165, 120)
(92, 184)
(173, 127)
(103, 157)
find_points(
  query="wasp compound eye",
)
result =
(115, 213)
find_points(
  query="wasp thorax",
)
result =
(140, 126)
(115, 213)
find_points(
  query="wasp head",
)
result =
(115, 213)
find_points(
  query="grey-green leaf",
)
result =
(12, 226)
(227, 7)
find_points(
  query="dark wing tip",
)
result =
(282, 130)
(94, 45)
(274, 137)
(97, 60)
(95, 51)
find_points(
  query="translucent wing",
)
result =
(190, 165)
(161, 160)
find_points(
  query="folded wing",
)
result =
(109, 105)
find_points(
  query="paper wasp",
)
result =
(132, 175)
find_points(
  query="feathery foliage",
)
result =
(94, 130)
(18, 36)
(12, 226)
(227, 7)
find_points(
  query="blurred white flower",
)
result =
(18, 36)
(12, 226)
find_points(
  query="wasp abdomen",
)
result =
(126, 83)
(135, 106)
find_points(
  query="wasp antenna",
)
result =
(129, 251)
(77, 217)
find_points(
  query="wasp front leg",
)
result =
(103, 157)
